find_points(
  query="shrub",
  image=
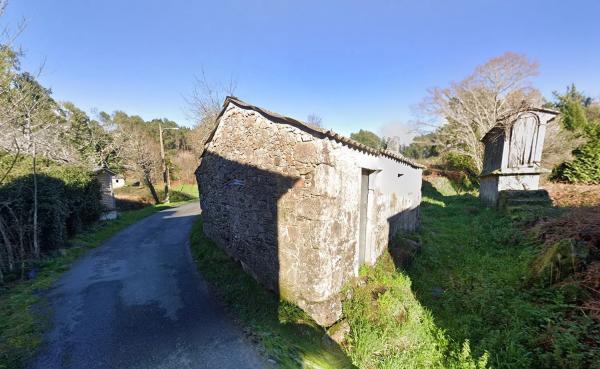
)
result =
(462, 171)
(68, 199)
(585, 167)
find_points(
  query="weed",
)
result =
(288, 335)
(481, 261)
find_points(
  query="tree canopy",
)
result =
(368, 138)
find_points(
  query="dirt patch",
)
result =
(591, 282)
(578, 224)
(570, 195)
(130, 198)
(578, 228)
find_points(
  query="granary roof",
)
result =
(318, 131)
(104, 169)
(499, 127)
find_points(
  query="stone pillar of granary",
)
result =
(512, 158)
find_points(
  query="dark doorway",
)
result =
(364, 206)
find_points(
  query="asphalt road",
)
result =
(137, 301)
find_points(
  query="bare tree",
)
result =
(9, 66)
(493, 94)
(37, 131)
(314, 120)
(139, 153)
(205, 103)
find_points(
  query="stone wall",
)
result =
(285, 203)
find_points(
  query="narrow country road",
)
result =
(137, 301)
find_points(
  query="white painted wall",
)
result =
(118, 182)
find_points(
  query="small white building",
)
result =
(513, 155)
(118, 181)
(301, 207)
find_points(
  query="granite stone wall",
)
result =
(285, 203)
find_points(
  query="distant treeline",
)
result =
(49, 151)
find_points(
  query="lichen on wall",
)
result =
(285, 203)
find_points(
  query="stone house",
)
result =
(513, 155)
(300, 207)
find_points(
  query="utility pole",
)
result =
(165, 168)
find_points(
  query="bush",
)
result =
(585, 167)
(68, 199)
(465, 176)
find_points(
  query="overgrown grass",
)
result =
(287, 334)
(465, 302)
(390, 328)
(479, 261)
(21, 328)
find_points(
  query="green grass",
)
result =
(285, 332)
(391, 329)
(141, 195)
(20, 328)
(190, 189)
(466, 301)
(481, 261)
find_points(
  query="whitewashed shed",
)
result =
(513, 155)
(302, 207)
(118, 181)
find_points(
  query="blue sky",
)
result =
(357, 64)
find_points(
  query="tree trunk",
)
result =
(1, 273)
(36, 244)
(10, 257)
(165, 169)
(21, 231)
(152, 189)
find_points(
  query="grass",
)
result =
(20, 327)
(466, 301)
(391, 329)
(131, 197)
(286, 333)
(480, 260)
(190, 189)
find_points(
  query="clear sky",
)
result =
(357, 64)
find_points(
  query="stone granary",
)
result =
(105, 177)
(300, 207)
(513, 155)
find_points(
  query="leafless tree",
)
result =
(187, 163)
(31, 125)
(493, 94)
(8, 70)
(205, 103)
(314, 120)
(139, 153)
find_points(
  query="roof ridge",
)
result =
(326, 132)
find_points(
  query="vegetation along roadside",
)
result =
(21, 328)
(466, 299)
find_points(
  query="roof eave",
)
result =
(317, 130)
